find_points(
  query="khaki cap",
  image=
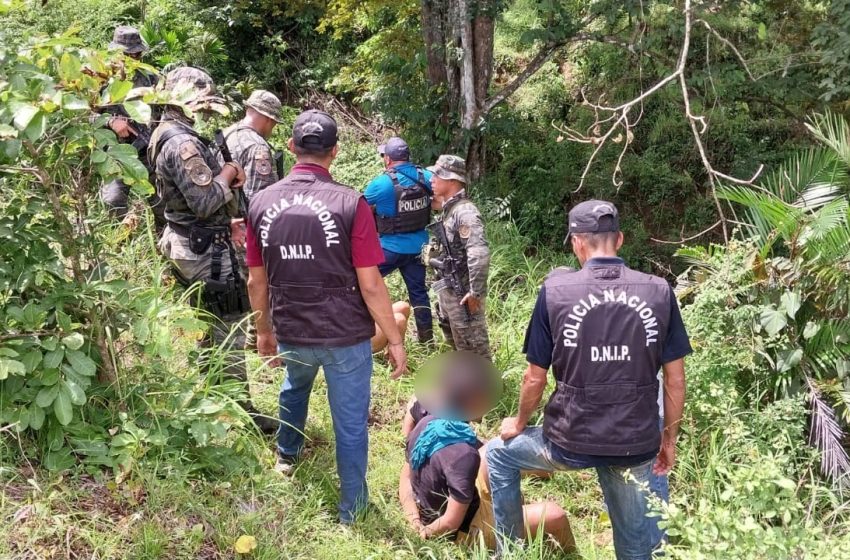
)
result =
(450, 167)
(266, 103)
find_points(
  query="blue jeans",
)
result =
(635, 534)
(348, 374)
(413, 273)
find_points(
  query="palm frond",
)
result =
(833, 131)
(766, 213)
(825, 237)
(808, 179)
(826, 435)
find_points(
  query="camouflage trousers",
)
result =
(462, 332)
(222, 348)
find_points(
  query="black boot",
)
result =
(265, 424)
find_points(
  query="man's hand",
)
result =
(122, 127)
(237, 233)
(511, 427)
(472, 303)
(267, 348)
(234, 174)
(666, 457)
(398, 358)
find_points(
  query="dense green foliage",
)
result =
(87, 343)
(112, 441)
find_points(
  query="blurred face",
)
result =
(266, 127)
(387, 160)
(445, 188)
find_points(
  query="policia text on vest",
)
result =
(586, 304)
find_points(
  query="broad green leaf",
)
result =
(36, 417)
(791, 303)
(62, 408)
(786, 484)
(81, 363)
(773, 320)
(53, 359)
(138, 110)
(64, 321)
(46, 396)
(117, 91)
(69, 67)
(36, 127)
(49, 343)
(59, 460)
(11, 367)
(762, 32)
(200, 430)
(811, 330)
(90, 447)
(73, 341)
(55, 437)
(788, 359)
(78, 396)
(23, 115)
(31, 360)
(49, 377)
(7, 131)
(74, 103)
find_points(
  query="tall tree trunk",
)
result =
(458, 38)
(435, 40)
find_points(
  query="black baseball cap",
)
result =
(592, 216)
(396, 149)
(314, 130)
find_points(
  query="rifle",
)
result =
(448, 264)
(221, 145)
(278, 163)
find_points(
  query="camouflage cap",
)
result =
(128, 39)
(195, 89)
(450, 167)
(266, 103)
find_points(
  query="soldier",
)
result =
(401, 199)
(461, 259)
(247, 141)
(116, 194)
(200, 203)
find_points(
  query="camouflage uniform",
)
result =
(198, 206)
(250, 150)
(116, 194)
(465, 234)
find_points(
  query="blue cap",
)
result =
(396, 149)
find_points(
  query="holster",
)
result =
(225, 297)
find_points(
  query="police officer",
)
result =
(605, 330)
(200, 204)
(116, 194)
(401, 198)
(461, 259)
(313, 254)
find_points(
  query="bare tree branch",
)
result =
(698, 124)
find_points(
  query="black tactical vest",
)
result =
(303, 228)
(608, 326)
(413, 206)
